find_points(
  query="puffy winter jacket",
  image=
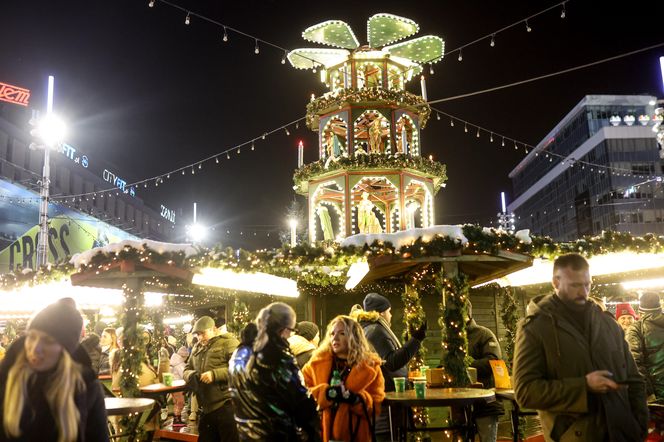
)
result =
(37, 423)
(646, 342)
(270, 401)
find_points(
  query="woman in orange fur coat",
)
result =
(348, 410)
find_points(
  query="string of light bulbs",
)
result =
(192, 167)
(226, 29)
(504, 140)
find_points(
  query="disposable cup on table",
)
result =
(420, 389)
(168, 379)
(399, 384)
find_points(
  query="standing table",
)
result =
(463, 398)
(119, 406)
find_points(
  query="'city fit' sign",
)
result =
(14, 94)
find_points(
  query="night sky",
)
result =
(148, 94)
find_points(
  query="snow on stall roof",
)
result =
(159, 247)
(408, 237)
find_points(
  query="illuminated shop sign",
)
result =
(168, 214)
(70, 152)
(118, 182)
(14, 94)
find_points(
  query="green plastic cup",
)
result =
(399, 384)
(168, 379)
(420, 389)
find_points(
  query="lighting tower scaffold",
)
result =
(371, 176)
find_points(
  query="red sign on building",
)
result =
(14, 94)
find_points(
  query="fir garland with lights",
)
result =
(431, 168)
(510, 316)
(452, 321)
(133, 345)
(413, 318)
(387, 97)
(240, 317)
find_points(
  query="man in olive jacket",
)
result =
(574, 367)
(206, 373)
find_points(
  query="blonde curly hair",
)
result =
(359, 349)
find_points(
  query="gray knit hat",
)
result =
(61, 321)
(375, 302)
(308, 330)
(649, 303)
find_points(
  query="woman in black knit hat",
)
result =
(48, 391)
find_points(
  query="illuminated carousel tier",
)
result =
(371, 176)
(374, 194)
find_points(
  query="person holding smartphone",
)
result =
(573, 366)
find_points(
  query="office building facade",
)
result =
(598, 169)
(80, 216)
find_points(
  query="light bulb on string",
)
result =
(437, 116)
(187, 20)
(431, 68)
(225, 37)
(503, 142)
(491, 137)
(528, 28)
(493, 40)
(563, 13)
(515, 146)
(168, 176)
(287, 132)
(252, 145)
(460, 58)
(200, 165)
(451, 122)
(478, 132)
(151, 4)
(465, 127)
(228, 156)
(238, 150)
(193, 172)
(216, 160)
(256, 48)
(182, 171)
(283, 58)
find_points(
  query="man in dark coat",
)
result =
(646, 342)
(206, 373)
(574, 367)
(375, 319)
(483, 346)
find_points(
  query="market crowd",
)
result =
(588, 373)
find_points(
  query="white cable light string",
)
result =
(528, 147)
(192, 166)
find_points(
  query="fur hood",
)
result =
(299, 344)
(358, 313)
